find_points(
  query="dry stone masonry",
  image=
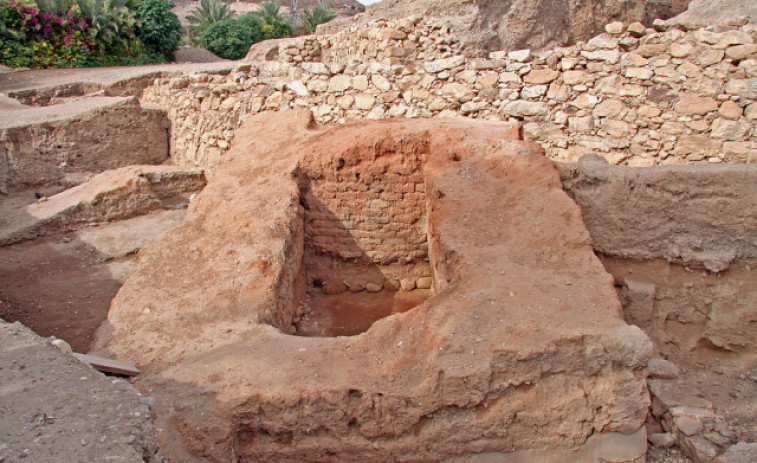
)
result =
(636, 96)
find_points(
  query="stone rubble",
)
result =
(638, 97)
(690, 422)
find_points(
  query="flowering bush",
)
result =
(37, 39)
(98, 36)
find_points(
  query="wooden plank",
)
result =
(108, 365)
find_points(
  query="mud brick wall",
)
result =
(372, 211)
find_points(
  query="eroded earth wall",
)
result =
(681, 242)
(64, 144)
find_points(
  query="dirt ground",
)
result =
(41, 78)
(54, 408)
(62, 285)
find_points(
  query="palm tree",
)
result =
(108, 18)
(316, 15)
(209, 12)
(268, 13)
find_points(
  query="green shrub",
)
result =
(273, 24)
(111, 25)
(209, 12)
(158, 28)
(230, 38)
(144, 58)
(57, 7)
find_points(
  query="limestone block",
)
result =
(744, 88)
(521, 108)
(364, 101)
(730, 110)
(608, 56)
(680, 50)
(741, 52)
(459, 92)
(339, 83)
(541, 76)
(615, 28)
(730, 130)
(444, 64)
(519, 56)
(381, 82)
(694, 104)
(360, 83)
(611, 107)
(574, 77)
(533, 91)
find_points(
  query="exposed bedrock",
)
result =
(520, 351)
(506, 25)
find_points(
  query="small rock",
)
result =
(688, 425)
(615, 27)
(695, 105)
(663, 440)
(741, 52)
(373, 287)
(662, 369)
(407, 284)
(739, 453)
(541, 76)
(520, 56)
(334, 287)
(680, 50)
(355, 287)
(730, 110)
(637, 29)
(392, 285)
(62, 346)
(149, 401)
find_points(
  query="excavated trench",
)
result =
(363, 243)
(365, 252)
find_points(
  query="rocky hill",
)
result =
(487, 25)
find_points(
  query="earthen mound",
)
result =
(519, 353)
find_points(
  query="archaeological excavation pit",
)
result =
(365, 253)
(519, 351)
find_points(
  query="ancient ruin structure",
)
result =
(521, 350)
(460, 283)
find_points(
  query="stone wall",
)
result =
(634, 95)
